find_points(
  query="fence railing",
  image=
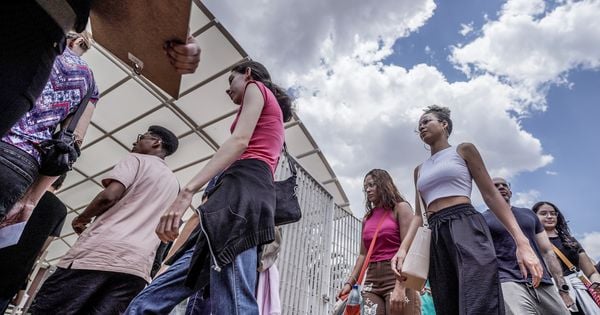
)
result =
(318, 252)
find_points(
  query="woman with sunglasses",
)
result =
(463, 270)
(560, 235)
(225, 259)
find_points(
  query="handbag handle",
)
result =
(363, 269)
(564, 258)
(287, 156)
(82, 105)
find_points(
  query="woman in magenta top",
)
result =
(382, 293)
(239, 214)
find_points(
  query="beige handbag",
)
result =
(416, 264)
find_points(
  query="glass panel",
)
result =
(100, 156)
(123, 105)
(221, 55)
(191, 148)
(80, 195)
(208, 102)
(106, 73)
(197, 19)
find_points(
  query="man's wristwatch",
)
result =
(564, 288)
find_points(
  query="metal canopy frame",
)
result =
(201, 119)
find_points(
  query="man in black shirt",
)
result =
(520, 297)
(43, 226)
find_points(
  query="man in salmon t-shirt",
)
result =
(111, 261)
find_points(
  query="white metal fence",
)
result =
(317, 252)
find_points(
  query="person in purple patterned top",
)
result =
(69, 82)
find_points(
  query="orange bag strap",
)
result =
(363, 270)
(564, 258)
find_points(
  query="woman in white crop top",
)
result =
(463, 270)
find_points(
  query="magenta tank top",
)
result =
(267, 140)
(388, 239)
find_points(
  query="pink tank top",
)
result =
(388, 239)
(267, 140)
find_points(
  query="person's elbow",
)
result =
(107, 199)
(240, 143)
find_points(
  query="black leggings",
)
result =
(463, 271)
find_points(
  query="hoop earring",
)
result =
(426, 148)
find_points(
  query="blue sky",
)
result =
(520, 76)
(566, 128)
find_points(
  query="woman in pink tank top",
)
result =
(239, 213)
(382, 293)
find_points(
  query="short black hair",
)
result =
(169, 140)
(59, 181)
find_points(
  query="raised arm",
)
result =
(526, 257)
(229, 152)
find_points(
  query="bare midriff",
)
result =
(446, 202)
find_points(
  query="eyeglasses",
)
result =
(141, 137)
(505, 185)
(549, 213)
(83, 45)
(369, 185)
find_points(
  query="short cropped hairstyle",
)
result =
(169, 140)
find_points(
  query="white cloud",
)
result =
(364, 115)
(362, 112)
(531, 46)
(465, 29)
(551, 173)
(525, 199)
(298, 35)
(591, 244)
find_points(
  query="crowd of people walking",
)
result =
(506, 260)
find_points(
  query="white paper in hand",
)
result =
(10, 235)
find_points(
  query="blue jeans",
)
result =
(166, 291)
(233, 290)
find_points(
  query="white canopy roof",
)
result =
(201, 118)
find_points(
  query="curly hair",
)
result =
(387, 191)
(442, 113)
(562, 229)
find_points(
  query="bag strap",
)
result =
(288, 158)
(423, 209)
(564, 258)
(82, 105)
(371, 247)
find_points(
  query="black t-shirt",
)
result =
(508, 266)
(571, 253)
(16, 261)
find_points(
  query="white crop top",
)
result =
(444, 174)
